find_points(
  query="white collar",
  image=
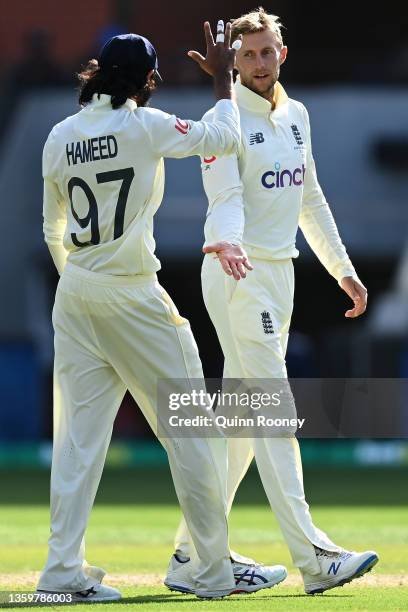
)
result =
(256, 103)
(100, 100)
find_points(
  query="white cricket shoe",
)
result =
(252, 578)
(338, 568)
(178, 576)
(96, 594)
(249, 578)
(179, 572)
(237, 558)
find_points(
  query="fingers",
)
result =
(358, 293)
(248, 264)
(350, 314)
(220, 32)
(233, 266)
(358, 310)
(197, 57)
(353, 313)
(235, 271)
(360, 305)
(241, 269)
(359, 299)
(208, 35)
(232, 258)
(225, 266)
(227, 38)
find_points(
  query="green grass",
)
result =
(133, 523)
(145, 599)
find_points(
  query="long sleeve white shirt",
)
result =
(261, 195)
(104, 179)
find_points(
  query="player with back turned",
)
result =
(115, 326)
(257, 200)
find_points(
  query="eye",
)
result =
(248, 54)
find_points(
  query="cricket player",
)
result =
(257, 199)
(115, 326)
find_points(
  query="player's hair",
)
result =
(257, 20)
(116, 82)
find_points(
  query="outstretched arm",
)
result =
(173, 137)
(224, 225)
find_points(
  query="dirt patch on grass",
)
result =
(134, 579)
(30, 579)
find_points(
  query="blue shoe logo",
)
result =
(333, 569)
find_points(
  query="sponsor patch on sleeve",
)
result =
(182, 126)
(207, 161)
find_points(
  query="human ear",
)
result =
(282, 55)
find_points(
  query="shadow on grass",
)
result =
(180, 599)
(244, 598)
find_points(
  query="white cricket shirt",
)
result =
(260, 196)
(104, 179)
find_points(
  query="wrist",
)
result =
(230, 243)
(223, 83)
(349, 275)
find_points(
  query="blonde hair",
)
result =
(257, 20)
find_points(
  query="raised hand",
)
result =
(220, 56)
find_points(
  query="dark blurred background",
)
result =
(347, 62)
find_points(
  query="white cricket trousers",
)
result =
(112, 334)
(236, 308)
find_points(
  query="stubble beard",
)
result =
(268, 92)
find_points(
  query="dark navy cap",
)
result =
(131, 52)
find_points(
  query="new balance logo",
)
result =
(256, 138)
(267, 322)
(333, 569)
(296, 134)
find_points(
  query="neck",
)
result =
(268, 95)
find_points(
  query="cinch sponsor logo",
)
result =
(283, 178)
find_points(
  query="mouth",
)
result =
(260, 78)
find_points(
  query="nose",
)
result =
(259, 62)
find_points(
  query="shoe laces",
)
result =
(246, 562)
(328, 554)
(87, 592)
